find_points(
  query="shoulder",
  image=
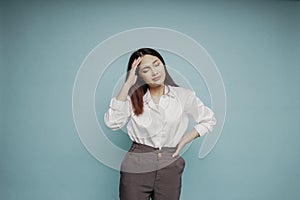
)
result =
(182, 94)
(181, 91)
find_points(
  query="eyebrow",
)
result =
(143, 67)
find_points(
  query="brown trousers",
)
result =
(148, 172)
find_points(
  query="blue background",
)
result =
(254, 44)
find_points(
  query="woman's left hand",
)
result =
(186, 138)
(179, 147)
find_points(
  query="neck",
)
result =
(157, 91)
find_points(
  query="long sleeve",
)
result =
(202, 115)
(117, 114)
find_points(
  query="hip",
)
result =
(142, 158)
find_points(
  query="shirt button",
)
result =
(159, 155)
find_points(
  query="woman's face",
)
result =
(152, 70)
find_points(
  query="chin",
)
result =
(156, 84)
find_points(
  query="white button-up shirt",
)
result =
(162, 124)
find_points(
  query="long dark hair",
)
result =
(138, 90)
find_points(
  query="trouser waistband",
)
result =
(147, 148)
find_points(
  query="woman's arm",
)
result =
(202, 115)
(132, 77)
(186, 138)
(122, 96)
(119, 107)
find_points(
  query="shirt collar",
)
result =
(168, 91)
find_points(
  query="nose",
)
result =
(154, 71)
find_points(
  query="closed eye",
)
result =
(145, 69)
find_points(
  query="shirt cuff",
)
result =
(202, 130)
(117, 104)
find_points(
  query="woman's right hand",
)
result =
(132, 77)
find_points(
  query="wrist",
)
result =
(126, 86)
(184, 141)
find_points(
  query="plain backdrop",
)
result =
(255, 45)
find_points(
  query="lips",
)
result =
(156, 78)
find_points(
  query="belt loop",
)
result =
(133, 146)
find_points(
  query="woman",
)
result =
(159, 110)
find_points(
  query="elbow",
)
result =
(212, 123)
(112, 124)
(209, 125)
(113, 127)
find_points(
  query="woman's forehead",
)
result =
(148, 60)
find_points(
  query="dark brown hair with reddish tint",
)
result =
(138, 90)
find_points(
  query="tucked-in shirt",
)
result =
(162, 124)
